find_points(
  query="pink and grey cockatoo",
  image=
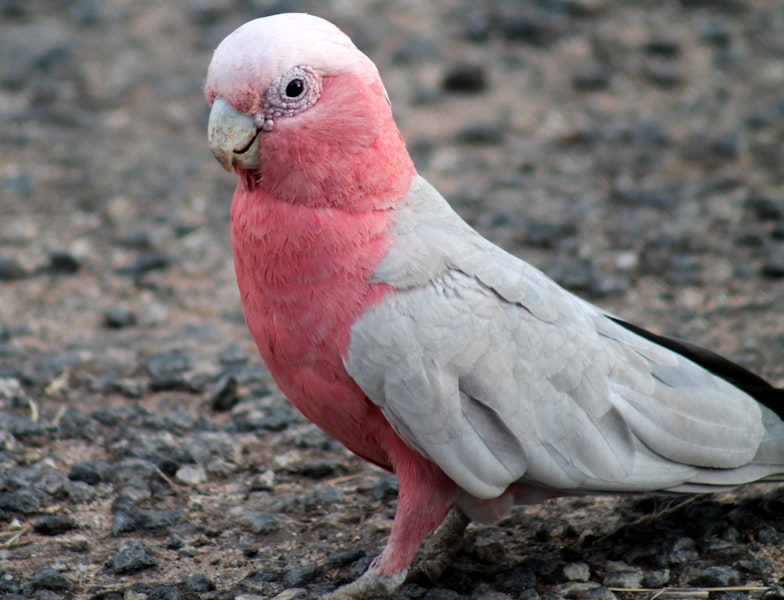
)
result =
(424, 348)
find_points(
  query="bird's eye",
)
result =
(294, 88)
(289, 94)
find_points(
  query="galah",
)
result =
(424, 348)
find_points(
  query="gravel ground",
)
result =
(630, 149)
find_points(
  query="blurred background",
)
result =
(632, 150)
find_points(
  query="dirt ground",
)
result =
(632, 150)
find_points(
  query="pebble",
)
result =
(133, 556)
(63, 262)
(316, 469)
(11, 269)
(92, 471)
(663, 74)
(192, 475)
(548, 234)
(657, 579)
(578, 571)
(119, 318)
(590, 77)
(618, 574)
(76, 424)
(465, 77)
(54, 524)
(198, 582)
(301, 575)
(224, 394)
(25, 500)
(144, 263)
(663, 45)
(167, 369)
(481, 133)
(262, 482)
(261, 522)
(773, 266)
(517, 580)
(533, 27)
(717, 576)
(49, 578)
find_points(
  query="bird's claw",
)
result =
(440, 553)
(369, 585)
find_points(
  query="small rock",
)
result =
(64, 262)
(21, 427)
(328, 495)
(578, 571)
(774, 593)
(119, 318)
(167, 369)
(48, 578)
(76, 424)
(657, 579)
(262, 482)
(123, 522)
(199, 582)
(665, 46)
(621, 575)
(234, 355)
(773, 267)
(530, 26)
(290, 594)
(546, 234)
(144, 263)
(683, 551)
(11, 269)
(517, 580)
(91, 472)
(590, 77)
(717, 34)
(24, 500)
(78, 543)
(489, 133)
(317, 468)
(224, 396)
(132, 557)
(484, 592)
(191, 475)
(439, 593)
(261, 522)
(416, 51)
(54, 524)
(343, 558)
(583, 590)
(764, 207)
(717, 576)
(465, 77)
(130, 469)
(301, 575)
(663, 74)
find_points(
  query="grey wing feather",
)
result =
(487, 367)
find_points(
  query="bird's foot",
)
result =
(369, 585)
(446, 544)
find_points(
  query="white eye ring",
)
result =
(278, 102)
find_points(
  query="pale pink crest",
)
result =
(245, 63)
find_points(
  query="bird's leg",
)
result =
(425, 497)
(446, 544)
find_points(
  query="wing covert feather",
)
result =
(488, 368)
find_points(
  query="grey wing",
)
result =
(495, 373)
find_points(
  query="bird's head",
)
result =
(299, 111)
